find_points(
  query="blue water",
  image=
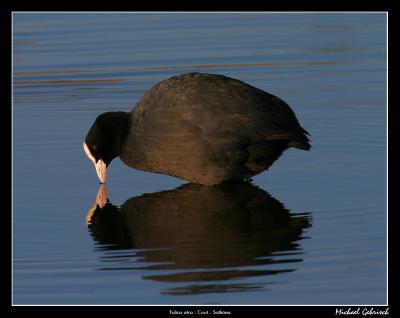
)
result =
(311, 230)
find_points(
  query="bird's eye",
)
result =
(94, 150)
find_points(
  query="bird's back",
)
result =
(207, 128)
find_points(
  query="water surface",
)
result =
(311, 230)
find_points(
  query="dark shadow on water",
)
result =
(202, 236)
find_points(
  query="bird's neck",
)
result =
(121, 126)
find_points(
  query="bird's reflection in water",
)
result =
(201, 236)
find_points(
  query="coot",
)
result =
(203, 128)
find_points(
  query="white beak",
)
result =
(100, 166)
(101, 170)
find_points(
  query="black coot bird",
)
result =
(203, 128)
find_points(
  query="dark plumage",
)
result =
(199, 127)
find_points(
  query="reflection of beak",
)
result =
(101, 170)
(101, 200)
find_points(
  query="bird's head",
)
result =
(104, 140)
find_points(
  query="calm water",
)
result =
(312, 230)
